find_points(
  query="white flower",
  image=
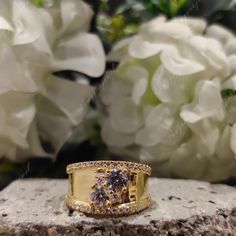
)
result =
(164, 104)
(36, 105)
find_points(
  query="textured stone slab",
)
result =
(180, 207)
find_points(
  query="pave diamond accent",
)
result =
(117, 211)
(132, 166)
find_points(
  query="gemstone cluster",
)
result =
(110, 188)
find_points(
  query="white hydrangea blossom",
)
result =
(164, 104)
(35, 42)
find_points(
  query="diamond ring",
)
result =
(108, 188)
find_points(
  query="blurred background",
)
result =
(114, 20)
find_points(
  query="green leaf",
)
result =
(176, 6)
(170, 8)
(226, 93)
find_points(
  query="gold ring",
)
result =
(108, 188)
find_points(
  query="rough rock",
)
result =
(180, 207)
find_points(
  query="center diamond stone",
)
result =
(117, 179)
(99, 196)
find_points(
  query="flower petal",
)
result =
(232, 61)
(125, 116)
(119, 50)
(187, 163)
(152, 40)
(152, 23)
(54, 128)
(169, 88)
(19, 116)
(31, 24)
(5, 25)
(231, 110)
(177, 65)
(197, 26)
(15, 75)
(114, 138)
(149, 136)
(211, 51)
(82, 52)
(70, 97)
(159, 113)
(207, 103)
(79, 17)
(219, 33)
(157, 154)
(35, 146)
(162, 126)
(139, 90)
(230, 83)
(207, 136)
(233, 139)
(113, 88)
(168, 30)
(131, 71)
(136, 72)
(142, 48)
(230, 47)
(224, 151)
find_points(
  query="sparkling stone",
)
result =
(99, 196)
(100, 180)
(117, 179)
(130, 165)
(113, 210)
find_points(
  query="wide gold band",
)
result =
(108, 187)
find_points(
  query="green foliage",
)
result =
(169, 8)
(127, 18)
(226, 93)
(38, 3)
(124, 22)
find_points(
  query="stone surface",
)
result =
(180, 207)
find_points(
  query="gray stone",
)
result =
(180, 207)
